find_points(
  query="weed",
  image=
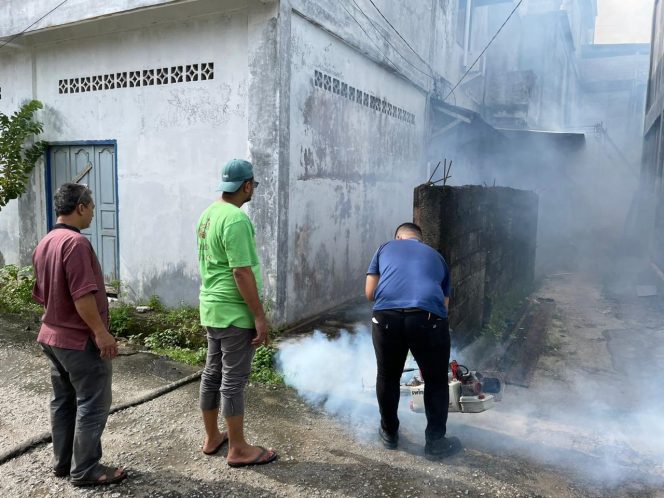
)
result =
(16, 289)
(502, 314)
(155, 303)
(189, 356)
(121, 320)
(262, 367)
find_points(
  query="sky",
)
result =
(623, 21)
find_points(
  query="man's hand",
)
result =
(262, 333)
(86, 307)
(108, 346)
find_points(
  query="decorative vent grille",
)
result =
(338, 87)
(144, 77)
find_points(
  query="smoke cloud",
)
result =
(587, 427)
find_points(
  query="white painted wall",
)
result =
(171, 139)
(16, 85)
(16, 15)
(352, 169)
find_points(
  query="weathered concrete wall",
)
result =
(355, 154)
(171, 138)
(15, 15)
(488, 238)
(16, 229)
(267, 115)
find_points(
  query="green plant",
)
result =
(183, 355)
(17, 160)
(262, 367)
(155, 303)
(503, 313)
(16, 289)
(121, 320)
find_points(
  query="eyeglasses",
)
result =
(254, 183)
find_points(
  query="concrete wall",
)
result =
(352, 165)
(16, 74)
(16, 15)
(171, 139)
(488, 238)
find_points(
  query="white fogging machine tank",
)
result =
(470, 391)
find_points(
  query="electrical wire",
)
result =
(42, 17)
(390, 43)
(399, 34)
(485, 49)
(367, 35)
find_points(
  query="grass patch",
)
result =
(178, 334)
(183, 355)
(172, 332)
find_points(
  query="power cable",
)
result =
(367, 35)
(390, 43)
(404, 40)
(485, 49)
(42, 17)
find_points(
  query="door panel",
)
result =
(94, 166)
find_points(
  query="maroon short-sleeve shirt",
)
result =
(66, 269)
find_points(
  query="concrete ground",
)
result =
(584, 428)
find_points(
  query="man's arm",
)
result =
(86, 307)
(246, 284)
(370, 286)
(447, 303)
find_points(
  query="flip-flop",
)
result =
(109, 472)
(224, 440)
(259, 460)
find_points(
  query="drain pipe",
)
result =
(45, 437)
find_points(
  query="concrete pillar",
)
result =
(268, 116)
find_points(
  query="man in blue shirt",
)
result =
(409, 283)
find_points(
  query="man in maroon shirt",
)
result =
(74, 336)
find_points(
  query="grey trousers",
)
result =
(227, 369)
(79, 408)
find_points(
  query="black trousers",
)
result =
(428, 338)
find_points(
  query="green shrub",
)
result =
(121, 320)
(16, 289)
(155, 303)
(262, 367)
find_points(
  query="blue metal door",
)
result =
(94, 166)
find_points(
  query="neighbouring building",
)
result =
(146, 99)
(343, 107)
(650, 218)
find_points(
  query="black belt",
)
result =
(409, 310)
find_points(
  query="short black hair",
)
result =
(70, 195)
(409, 227)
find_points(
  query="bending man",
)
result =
(410, 285)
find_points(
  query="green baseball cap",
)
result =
(234, 173)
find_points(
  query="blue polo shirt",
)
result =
(412, 275)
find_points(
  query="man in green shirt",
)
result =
(231, 312)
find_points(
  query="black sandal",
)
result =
(102, 470)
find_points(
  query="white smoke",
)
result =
(339, 375)
(585, 427)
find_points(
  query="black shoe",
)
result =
(390, 441)
(442, 448)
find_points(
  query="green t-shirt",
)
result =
(226, 240)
